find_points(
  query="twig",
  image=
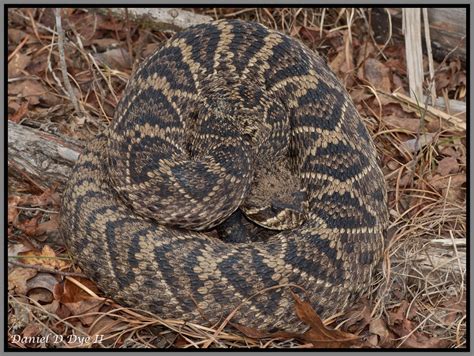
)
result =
(62, 63)
(411, 21)
(128, 38)
(37, 209)
(17, 49)
(165, 19)
(47, 270)
(430, 56)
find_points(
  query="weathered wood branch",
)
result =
(160, 19)
(447, 29)
(45, 158)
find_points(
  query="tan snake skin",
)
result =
(217, 104)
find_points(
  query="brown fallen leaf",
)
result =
(18, 277)
(377, 74)
(85, 310)
(318, 334)
(68, 292)
(373, 340)
(358, 318)
(447, 165)
(42, 281)
(17, 64)
(13, 212)
(28, 226)
(411, 125)
(20, 113)
(106, 325)
(41, 295)
(105, 43)
(343, 63)
(448, 151)
(453, 181)
(15, 249)
(115, 58)
(15, 36)
(62, 311)
(416, 339)
(32, 90)
(310, 33)
(46, 257)
(415, 144)
(32, 330)
(48, 197)
(400, 313)
(454, 307)
(378, 327)
(47, 227)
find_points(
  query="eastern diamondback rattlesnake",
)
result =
(203, 124)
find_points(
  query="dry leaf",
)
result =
(358, 319)
(68, 292)
(32, 90)
(84, 307)
(41, 295)
(378, 327)
(32, 330)
(28, 226)
(338, 61)
(17, 64)
(51, 307)
(150, 49)
(18, 277)
(416, 339)
(411, 125)
(115, 58)
(49, 226)
(62, 311)
(447, 165)
(343, 63)
(318, 334)
(377, 74)
(107, 325)
(15, 36)
(19, 113)
(13, 212)
(48, 197)
(439, 182)
(42, 280)
(414, 145)
(46, 257)
(105, 43)
(311, 34)
(373, 340)
(15, 249)
(400, 314)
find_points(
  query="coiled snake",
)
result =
(204, 125)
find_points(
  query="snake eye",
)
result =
(247, 137)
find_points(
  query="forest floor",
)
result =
(418, 297)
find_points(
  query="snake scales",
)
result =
(217, 104)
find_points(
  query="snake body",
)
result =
(215, 104)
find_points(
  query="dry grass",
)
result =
(424, 269)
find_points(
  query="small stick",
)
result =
(47, 270)
(17, 49)
(430, 56)
(62, 62)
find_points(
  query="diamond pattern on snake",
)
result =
(236, 166)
